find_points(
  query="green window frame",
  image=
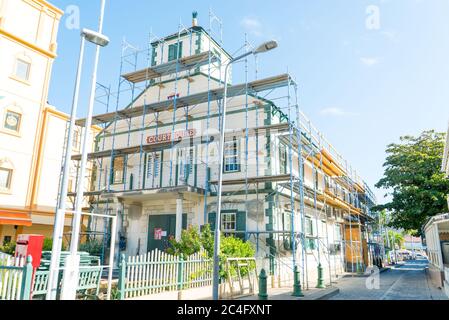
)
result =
(174, 51)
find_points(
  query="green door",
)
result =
(161, 228)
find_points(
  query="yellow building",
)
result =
(32, 133)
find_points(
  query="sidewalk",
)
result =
(286, 294)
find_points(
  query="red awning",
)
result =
(15, 218)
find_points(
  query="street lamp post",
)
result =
(100, 41)
(267, 46)
(59, 217)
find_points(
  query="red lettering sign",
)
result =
(167, 137)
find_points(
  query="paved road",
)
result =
(404, 282)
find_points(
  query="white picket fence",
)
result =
(11, 276)
(4, 258)
(157, 272)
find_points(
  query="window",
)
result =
(309, 227)
(311, 243)
(287, 226)
(118, 170)
(12, 121)
(5, 178)
(229, 221)
(231, 151)
(283, 158)
(22, 69)
(174, 52)
(7, 240)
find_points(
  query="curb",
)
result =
(330, 294)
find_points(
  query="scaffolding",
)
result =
(336, 193)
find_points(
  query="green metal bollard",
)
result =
(122, 278)
(320, 284)
(297, 292)
(359, 268)
(263, 285)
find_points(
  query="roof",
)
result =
(436, 219)
(191, 29)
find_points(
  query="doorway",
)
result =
(161, 228)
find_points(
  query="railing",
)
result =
(156, 272)
(15, 279)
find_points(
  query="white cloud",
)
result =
(336, 112)
(369, 61)
(252, 26)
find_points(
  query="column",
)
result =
(179, 217)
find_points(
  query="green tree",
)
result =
(415, 183)
(396, 238)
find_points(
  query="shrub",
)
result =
(192, 241)
(232, 247)
(189, 244)
(48, 245)
(93, 247)
(8, 248)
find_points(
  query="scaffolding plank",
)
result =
(198, 140)
(251, 180)
(194, 99)
(183, 64)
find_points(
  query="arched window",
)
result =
(22, 67)
(6, 173)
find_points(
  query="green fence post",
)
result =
(27, 279)
(122, 278)
(263, 295)
(320, 284)
(181, 274)
(297, 292)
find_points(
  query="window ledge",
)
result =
(6, 191)
(11, 132)
(26, 82)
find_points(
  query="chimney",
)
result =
(194, 19)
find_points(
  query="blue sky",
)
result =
(362, 87)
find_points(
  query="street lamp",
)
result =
(99, 40)
(267, 46)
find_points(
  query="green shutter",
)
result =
(171, 52)
(211, 219)
(241, 224)
(241, 221)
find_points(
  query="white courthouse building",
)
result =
(156, 164)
